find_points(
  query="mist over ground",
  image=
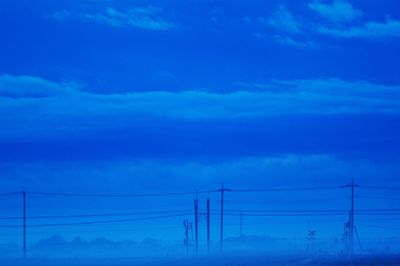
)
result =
(238, 251)
(234, 260)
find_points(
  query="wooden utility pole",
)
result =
(351, 221)
(196, 224)
(208, 226)
(352, 187)
(24, 222)
(222, 190)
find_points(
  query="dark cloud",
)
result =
(370, 136)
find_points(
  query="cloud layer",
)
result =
(135, 175)
(268, 118)
(33, 87)
(340, 20)
(141, 18)
(338, 11)
(328, 96)
(370, 30)
(282, 19)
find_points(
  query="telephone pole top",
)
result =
(222, 190)
(352, 185)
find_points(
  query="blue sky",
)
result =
(125, 96)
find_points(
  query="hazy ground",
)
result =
(232, 260)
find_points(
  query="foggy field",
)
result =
(214, 261)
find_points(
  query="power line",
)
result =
(377, 198)
(137, 229)
(92, 215)
(193, 193)
(40, 193)
(170, 193)
(116, 195)
(380, 227)
(381, 187)
(9, 194)
(314, 211)
(286, 214)
(379, 214)
(362, 212)
(99, 222)
(286, 189)
(310, 214)
(124, 217)
(284, 211)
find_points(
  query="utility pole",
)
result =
(196, 223)
(241, 224)
(24, 222)
(223, 189)
(312, 236)
(222, 218)
(208, 226)
(188, 226)
(351, 232)
(351, 219)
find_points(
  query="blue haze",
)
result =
(168, 96)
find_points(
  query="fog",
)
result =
(233, 260)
